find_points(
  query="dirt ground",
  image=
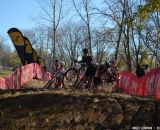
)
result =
(75, 109)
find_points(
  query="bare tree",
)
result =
(118, 12)
(39, 38)
(150, 35)
(70, 41)
(4, 52)
(86, 17)
(114, 11)
(52, 10)
(103, 44)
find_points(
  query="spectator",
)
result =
(146, 68)
(140, 71)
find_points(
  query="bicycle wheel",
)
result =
(70, 77)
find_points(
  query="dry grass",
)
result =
(5, 73)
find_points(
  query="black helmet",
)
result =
(106, 64)
(85, 50)
(56, 60)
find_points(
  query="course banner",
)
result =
(18, 41)
(35, 57)
(28, 51)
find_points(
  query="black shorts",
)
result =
(97, 80)
(90, 72)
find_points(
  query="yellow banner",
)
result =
(18, 41)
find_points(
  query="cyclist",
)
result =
(114, 73)
(102, 69)
(58, 74)
(91, 69)
(55, 67)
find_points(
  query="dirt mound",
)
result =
(70, 109)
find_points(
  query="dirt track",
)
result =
(69, 109)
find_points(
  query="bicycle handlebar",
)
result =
(79, 62)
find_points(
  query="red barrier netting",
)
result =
(147, 86)
(23, 74)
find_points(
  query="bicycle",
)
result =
(54, 79)
(103, 76)
(74, 76)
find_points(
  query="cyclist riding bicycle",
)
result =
(107, 72)
(102, 69)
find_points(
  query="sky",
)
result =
(20, 14)
(17, 13)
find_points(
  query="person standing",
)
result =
(139, 71)
(91, 70)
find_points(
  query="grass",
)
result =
(4, 73)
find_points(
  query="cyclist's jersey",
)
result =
(101, 73)
(61, 72)
(91, 70)
(102, 70)
(54, 72)
(58, 72)
(87, 59)
(114, 71)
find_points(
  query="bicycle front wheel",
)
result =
(70, 77)
(49, 83)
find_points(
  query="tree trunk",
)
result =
(54, 31)
(120, 32)
(129, 66)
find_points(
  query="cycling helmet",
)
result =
(107, 64)
(112, 62)
(56, 63)
(62, 63)
(56, 60)
(85, 50)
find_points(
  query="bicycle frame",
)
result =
(52, 80)
(81, 70)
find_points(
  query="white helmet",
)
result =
(62, 63)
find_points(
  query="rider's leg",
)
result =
(59, 83)
(90, 72)
(87, 78)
